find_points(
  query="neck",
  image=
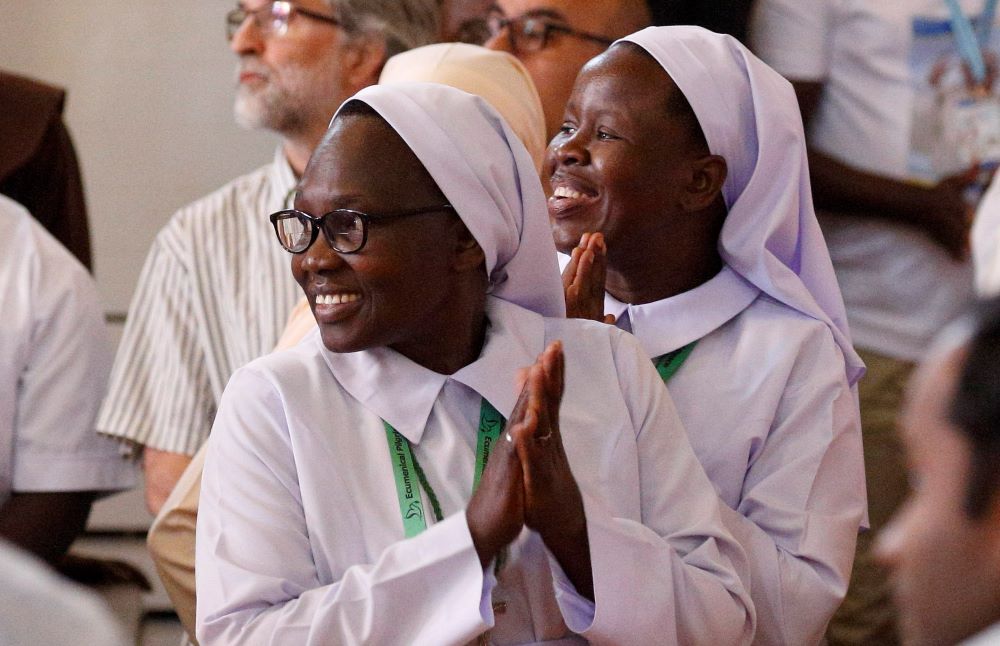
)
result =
(453, 351)
(298, 150)
(457, 341)
(651, 274)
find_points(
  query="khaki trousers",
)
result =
(867, 616)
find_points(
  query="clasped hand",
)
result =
(583, 280)
(528, 481)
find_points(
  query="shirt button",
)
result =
(499, 607)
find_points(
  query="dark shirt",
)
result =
(723, 16)
(38, 165)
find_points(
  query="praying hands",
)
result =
(528, 481)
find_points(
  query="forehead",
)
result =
(588, 15)
(627, 80)
(357, 159)
(929, 436)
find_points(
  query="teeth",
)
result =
(336, 299)
(562, 191)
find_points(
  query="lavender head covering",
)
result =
(486, 173)
(750, 116)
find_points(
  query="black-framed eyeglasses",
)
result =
(346, 231)
(531, 33)
(271, 19)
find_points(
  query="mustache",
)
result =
(252, 65)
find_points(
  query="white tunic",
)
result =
(54, 364)
(300, 539)
(770, 416)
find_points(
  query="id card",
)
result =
(970, 128)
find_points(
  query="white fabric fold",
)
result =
(750, 116)
(486, 173)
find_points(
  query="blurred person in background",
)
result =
(554, 38)
(38, 165)
(895, 121)
(215, 291)
(54, 364)
(943, 547)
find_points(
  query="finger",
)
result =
(552, 365)
(599, 271)
(555, 370)
(610, 319)
(584, 271)
(569, 271)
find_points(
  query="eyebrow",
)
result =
(541, 12)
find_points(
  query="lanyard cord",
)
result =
(669, 363)
(491, 424)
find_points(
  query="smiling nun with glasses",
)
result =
(397, 478)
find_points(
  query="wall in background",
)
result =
(150, 88)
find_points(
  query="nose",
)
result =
(318, 258)
(247, 39)
(501, 41)
(568, 149)
(888, 543)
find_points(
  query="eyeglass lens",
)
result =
(344, 231)
(271, 19)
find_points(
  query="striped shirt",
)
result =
(214, 294)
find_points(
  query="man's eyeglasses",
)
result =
(531, 33)
(346, 231)
(271, 19)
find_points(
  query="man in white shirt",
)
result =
(879, 84)
(54, 364)
(943, 548)
(215, 291)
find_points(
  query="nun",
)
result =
(396, 478)
(681, 190)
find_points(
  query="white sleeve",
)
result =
(803, 501)
(986, 241)
(257, 582)
(63, 381)
(794, 37)
(676, 576)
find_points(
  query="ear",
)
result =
(469, 255)
(708, 174)
(363, 59)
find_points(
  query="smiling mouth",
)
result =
(337, 299)
(330, 308)
(565, 199)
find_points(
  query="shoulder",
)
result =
(226, 201)
(778, 326)
(598, 349)
(283, 373)
(29, 253)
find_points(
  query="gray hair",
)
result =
(404, 24)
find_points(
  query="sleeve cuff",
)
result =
(52, 472)
(577, 611)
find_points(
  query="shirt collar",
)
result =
(665, 325)
(989, 637)
(282, 178)
(403, 393)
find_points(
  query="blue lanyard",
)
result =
(970, 44)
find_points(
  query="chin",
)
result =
(565, 238)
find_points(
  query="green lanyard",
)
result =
(669, 363)
(405, 465)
